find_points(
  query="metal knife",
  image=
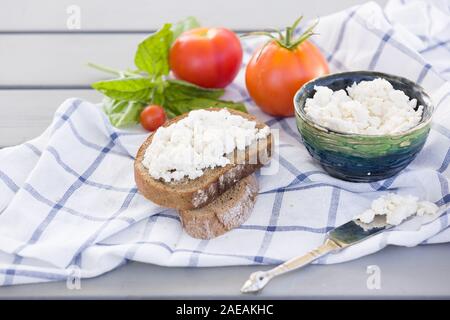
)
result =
(341, 237)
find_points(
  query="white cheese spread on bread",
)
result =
(197, 142)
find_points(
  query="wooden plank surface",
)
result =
(41, 60)
(32, 15)
(24, 114)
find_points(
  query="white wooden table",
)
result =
(42, 63)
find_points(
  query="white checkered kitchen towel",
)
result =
(68, 198)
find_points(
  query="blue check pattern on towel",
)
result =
(68, 198)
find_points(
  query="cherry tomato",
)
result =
(208, 57)
(276, 71)
(152, 117)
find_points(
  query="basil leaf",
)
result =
(184, 25)
(152, 54)
(137, 89)
(122, 113)
(178, 107)
(178, 90)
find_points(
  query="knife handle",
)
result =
(298, 262)
(259, 279)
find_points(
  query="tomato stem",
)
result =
(288, 40)
(288, 36)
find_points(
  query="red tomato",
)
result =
(152, 117)
(208, 57)
(275, 73)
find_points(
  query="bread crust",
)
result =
(228, 211)
(192, 194)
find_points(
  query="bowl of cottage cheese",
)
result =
(363, 126)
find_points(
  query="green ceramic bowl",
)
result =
(357, 157)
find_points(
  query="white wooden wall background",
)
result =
(42, 62)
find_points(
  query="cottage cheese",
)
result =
(397, 208)
(199, 141)
(369, 107)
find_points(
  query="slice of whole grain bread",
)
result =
(228, 211)
(196, 193)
